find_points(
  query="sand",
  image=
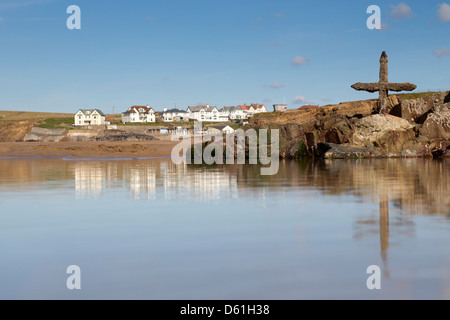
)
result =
(88, 149)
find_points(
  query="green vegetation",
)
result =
(56, 123)
(234, 126)
(415, 95)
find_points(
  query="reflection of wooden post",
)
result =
(384, 225)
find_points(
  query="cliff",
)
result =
(417, 127)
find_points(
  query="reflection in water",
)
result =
(400, 189)
(413, 186)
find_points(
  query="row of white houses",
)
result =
(142, 114)
(207, 113)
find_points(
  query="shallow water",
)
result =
(147, 229)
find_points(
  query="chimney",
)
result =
(165, 109)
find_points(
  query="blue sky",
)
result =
(180, 53)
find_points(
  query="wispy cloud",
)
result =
(401, 11)
(442, 52)
(9, 4)
(151, 19)
(385, 27)
(257, 20)
(267, 100)
(275, 85)
(297, 61)
(277, 15)
(298, 99)
(273, 44)
(444, 12)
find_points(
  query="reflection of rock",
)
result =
(340, 151)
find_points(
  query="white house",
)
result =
(139, 114)
(176, 115)
(206, 113)
(259, 108)
(221, 129)
(234, 113)
(86, 117)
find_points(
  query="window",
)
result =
(79, 117)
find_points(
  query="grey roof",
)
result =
(174, 111)
(228, 108)
(219, 127)
(198, 108)
(89, 111)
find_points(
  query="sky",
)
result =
(170, 53)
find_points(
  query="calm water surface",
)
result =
(147, 229)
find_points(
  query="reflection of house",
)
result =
(89, 179)
(86, 117)
(139, 114)
(175, 115)
(206, 113)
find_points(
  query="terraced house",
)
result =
(138, 114)
(174, 115)
(88, 117)
(206, 113)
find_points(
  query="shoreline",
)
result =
(88, 150)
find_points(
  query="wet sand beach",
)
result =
(87, 149)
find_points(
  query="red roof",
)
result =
(136, 109)
(244, 107)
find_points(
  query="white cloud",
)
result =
(401, 11)
(298, 99)
(444, 12)
(442, 52)
(275, 85)
(299, 61)
(2, 19)
(257, 20)
(150, 19)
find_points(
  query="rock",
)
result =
(127, 136)
(342, 151)
(45, 135)
(416, 110)
(298, 150)
(437, 123)
(381, 131)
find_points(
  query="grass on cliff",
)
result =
(415, 95)
(56, 123)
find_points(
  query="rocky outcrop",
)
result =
(45, 135)
(126, 136)
(415, 128)
(437, 122)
